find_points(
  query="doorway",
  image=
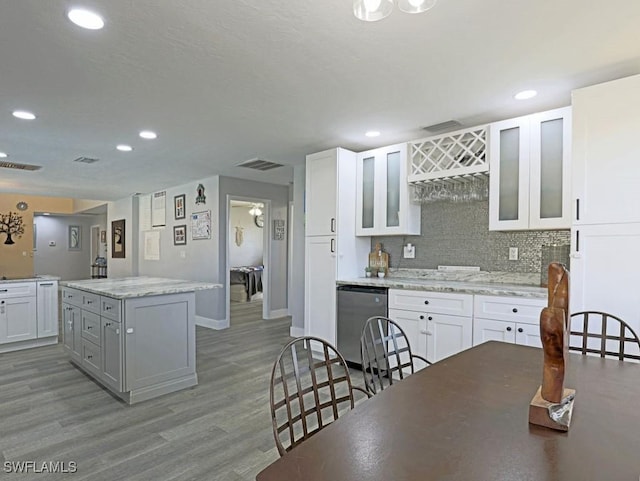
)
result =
(247, 259)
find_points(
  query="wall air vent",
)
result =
(86, 160)
(443, 126)
(259, 164)
(13, 165)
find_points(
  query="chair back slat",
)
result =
(310, 388)
(603, 334)
(385, 353)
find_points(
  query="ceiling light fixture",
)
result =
(3, 155)
(85, 19)
(124, 148)
(373, 10)
(23, 114)
(372, 133)
(148, 134)
(525, 94)
(255, 210)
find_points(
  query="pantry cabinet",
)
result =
(383, 199)
(530, 178)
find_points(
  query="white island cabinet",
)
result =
(136, 335)
(28, 313)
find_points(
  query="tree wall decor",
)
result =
(12, 225)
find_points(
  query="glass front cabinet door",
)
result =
(529, 172)
(383, 201)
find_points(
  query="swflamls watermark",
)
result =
(23, 467)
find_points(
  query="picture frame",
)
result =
(278, 229)
(180, 235)
(118, 243)
(179, 211)
(75, 238)
(201, 225)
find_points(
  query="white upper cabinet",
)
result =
(606, 149)
(321, 193)
(383, 204)
(530, 178)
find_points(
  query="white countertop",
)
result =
(128, 287)
(30, 279)
(481, 283)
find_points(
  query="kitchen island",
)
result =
(134, 335)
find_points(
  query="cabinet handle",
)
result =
(89, 357)
(424, 331)
(130, 330)
(333, 224)
(89, 302)
(118, 332)
(107, 324)
(520, 329)
(421, 317)
(430, 318)
(4, 290)
(426, 302)
(508, 329)
(89, 328)
(514, 310)
(577, 241)
(577, 209)
(333, 245)
(107, 308)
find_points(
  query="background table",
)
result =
(466, 418)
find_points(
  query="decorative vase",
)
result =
(381, 274)
(367, 273)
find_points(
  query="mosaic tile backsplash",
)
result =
(458, 234)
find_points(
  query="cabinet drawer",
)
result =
(91, 327)
(91, 302)
(515, 309)
(91, 357)
(17, 289)
(72, 296)
(435, 302)
(110, 308)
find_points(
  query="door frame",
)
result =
(266, 254)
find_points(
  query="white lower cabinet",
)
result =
(507, 319)
(437, 325)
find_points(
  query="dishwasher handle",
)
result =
(368, 290)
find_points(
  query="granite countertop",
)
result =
(29, 279)
(462, 282)
(128, 287)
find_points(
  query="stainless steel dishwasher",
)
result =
(356, 304)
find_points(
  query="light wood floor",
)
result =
(219, 430)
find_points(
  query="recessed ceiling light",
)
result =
(85, 19)
(23, 114)
(525, 94)
(124, 148)
(148, 134)
(3, 155)
(45, 213)
(372, 133)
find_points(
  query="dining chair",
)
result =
(595, 332)
(310, 388)
(386, 353)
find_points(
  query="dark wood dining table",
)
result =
(466, 418)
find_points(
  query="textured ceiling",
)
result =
(225, 81)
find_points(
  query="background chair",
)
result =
(385, 352)
(307, 393)
(595, 332)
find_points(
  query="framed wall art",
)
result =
(179, 235)
(178, 207)
(75, 238)
(201, 225)
(118, 239)
(278, 229)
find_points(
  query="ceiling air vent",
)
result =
(86, 160)
(442, 126)
(13, 165)
(258, 164)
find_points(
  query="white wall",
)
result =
(58, 260)
(249, 253)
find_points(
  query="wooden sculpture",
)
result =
(552, 405)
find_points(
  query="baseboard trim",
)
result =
(216, 324)
(278, 313)
(296, 331)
